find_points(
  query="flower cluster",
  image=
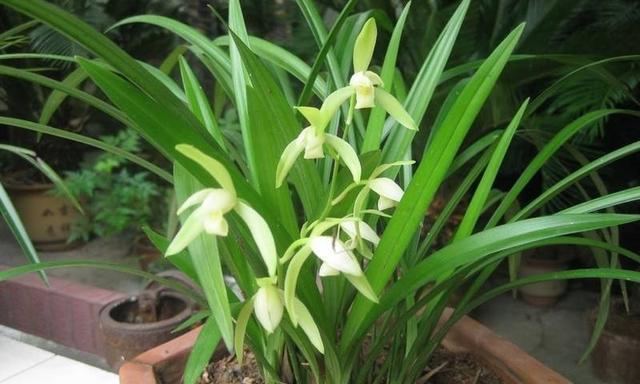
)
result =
(336, 242)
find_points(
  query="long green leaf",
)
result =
(479, 198)
(576, 175)
(67, 89)
(284, 59)
(482, 244)
(88, 141)
(181, 260)
(73, 80)
(274, 127)
(547, 152)
(202, 351)
(59, 264)
(325, 42)
(423, 87)
(19, 232)
(199, 103)
(606, 201)
(82, 33)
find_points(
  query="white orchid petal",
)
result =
(385, 203)
(335, 254)
(347, 155)
(394, 108)
(261, 234)
(288, 158)
(325, 271)
(191, 228)
(291, 281)
(364, 46)
(313, 142)
(268, 307)
(194, 199)
(365, 231)
(364, 90)
(375, 79)
(218, 200)
(308, 325)
(362, 285)
(215, 224)
(386, 187)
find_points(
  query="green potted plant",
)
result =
(116, 198)
(320, 224)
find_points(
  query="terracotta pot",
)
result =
(165, 363)
(46, 218)
(615, 356)
(123, 333)
(552, 259)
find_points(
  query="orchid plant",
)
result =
(347, 187)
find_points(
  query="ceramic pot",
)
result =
(46, 218)
(539, 261)
(132, 325)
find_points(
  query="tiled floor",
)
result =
(22, 363)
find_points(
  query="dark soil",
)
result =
(228, 371)
(148, 309)
(445, 368)
(458, 368)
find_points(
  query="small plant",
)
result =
(347, 188)
(115, 199)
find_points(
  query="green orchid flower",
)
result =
(337, 257)
(268, 307)
(212, 206)
(389, 192)
(313, 139)
(366, 84)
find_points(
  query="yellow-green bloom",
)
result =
(313, 139)
(213, 204)
(366, 85)
(268, 307)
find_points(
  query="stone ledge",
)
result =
(66, 312)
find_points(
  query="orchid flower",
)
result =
(337, 258)
(213, 204)
(313, 139)
(267, 305)
(366, 85)
(389, 192)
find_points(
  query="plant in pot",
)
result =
(321, 226)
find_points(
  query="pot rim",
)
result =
(107, 320)
(508, 361)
